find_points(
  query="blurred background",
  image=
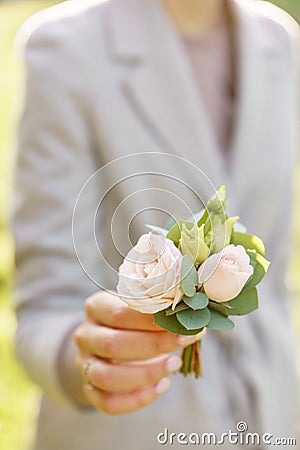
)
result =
(19, 398)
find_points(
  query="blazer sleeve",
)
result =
(55, 158)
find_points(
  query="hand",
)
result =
(132, 361)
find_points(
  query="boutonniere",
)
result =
(194, 275)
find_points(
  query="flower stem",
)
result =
(191, 357)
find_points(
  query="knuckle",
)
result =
(150, 375)
(78, 336)
(117, 316)
(170, 342)
(104, 378)
(109, 345)
(160, 344)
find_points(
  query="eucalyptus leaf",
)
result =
(226, 304)
(244, 303)
(198, 301)
(219, 322)
(193, 320)
(219, 307)
(170, 323)
(248, 241)
(180, 307)
(189, 276)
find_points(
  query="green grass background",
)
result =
(19, 398)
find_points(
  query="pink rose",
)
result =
(149, 278)
(224, 274)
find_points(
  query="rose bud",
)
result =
(224, 274)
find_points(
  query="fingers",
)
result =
(112, 377)
(125, 345)
(108, 310)
(128, 374)
(126, 402)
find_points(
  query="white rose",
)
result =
(149, 278)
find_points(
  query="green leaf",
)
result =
(252, 261)
(170, 323)
(259, 259)
(221, 231)
(248, 241)
(193, 320)
(219, 322)
(198, 301)
(208, 224)
(189, 276)
(260, 266)
(219, 307)
(192, 243)
(245, 303)
(226, 304)
(202, 220)
(174, 233)
(180, 307)
(256, 278)
(216, 203)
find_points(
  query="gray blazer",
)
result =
(110, 79)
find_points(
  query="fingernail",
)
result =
(162, 386)
(174, 363)
(187, 340)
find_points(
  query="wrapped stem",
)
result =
(191, 357)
